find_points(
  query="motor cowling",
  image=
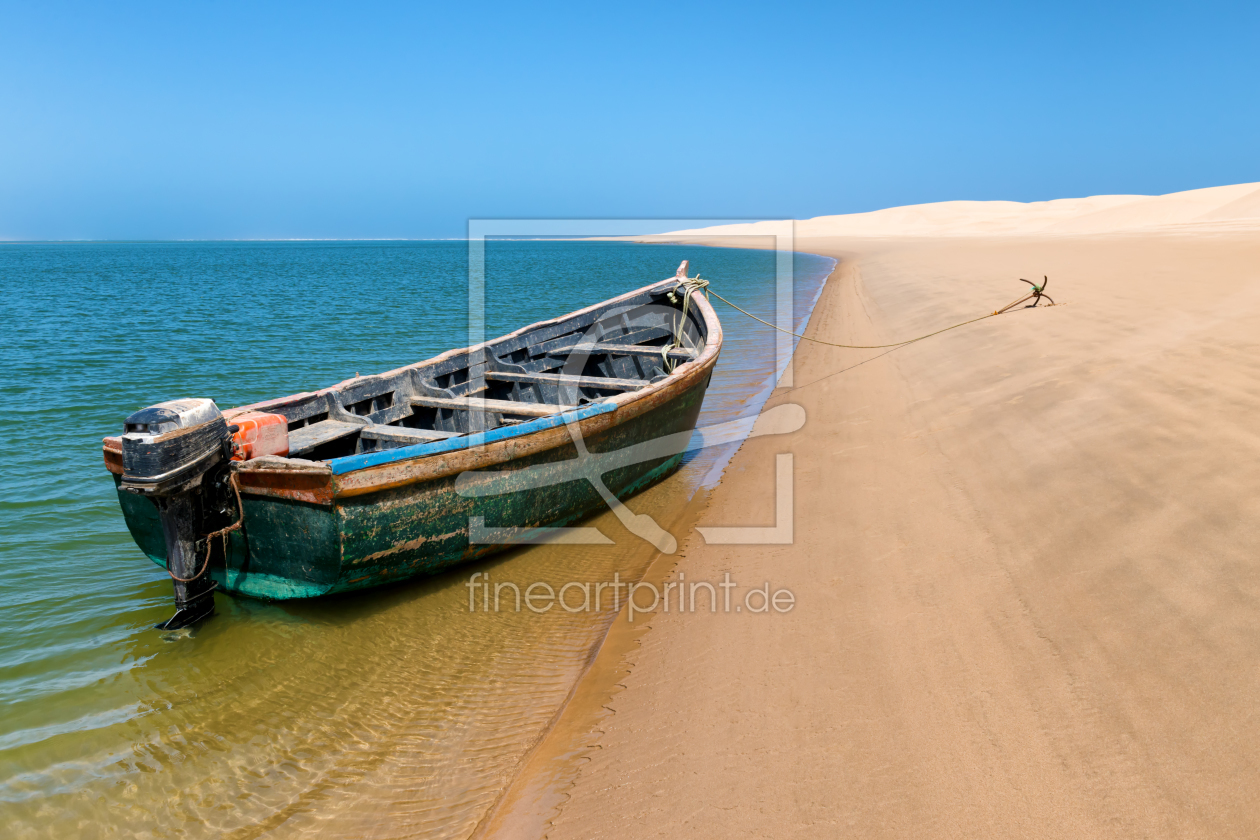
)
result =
(171, 445)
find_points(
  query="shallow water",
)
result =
(391, 713)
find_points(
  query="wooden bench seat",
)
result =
(620, 350)
(520, 409)
(405, 434)
(564, 379)
(317, 434)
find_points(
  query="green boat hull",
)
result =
(291, 549)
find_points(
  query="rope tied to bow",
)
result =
(687, 285)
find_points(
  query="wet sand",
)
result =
(1025, 567)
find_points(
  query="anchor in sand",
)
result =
(1037, 293)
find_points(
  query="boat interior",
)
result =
(542, 370)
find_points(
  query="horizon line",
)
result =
(295, 239)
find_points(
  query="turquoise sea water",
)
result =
(394, 710)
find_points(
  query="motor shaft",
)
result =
(194, 589)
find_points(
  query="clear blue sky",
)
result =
(174, 120)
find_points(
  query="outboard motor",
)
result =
(169, 453)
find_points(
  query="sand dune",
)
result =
(1026, 554)
(1212, 208)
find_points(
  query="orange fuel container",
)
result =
(259, 434)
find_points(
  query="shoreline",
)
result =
(978, 653)
(528, 801)
(537, 791)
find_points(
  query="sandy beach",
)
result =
(1024, 561)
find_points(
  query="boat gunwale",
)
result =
(448, 354)
(414, 470)
(321, 483)
(469, 441)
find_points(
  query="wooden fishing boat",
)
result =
(355, 486)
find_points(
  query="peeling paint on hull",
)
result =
(292, 548)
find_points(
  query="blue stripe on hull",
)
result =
(350, 463)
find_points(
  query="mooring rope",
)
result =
(222, 533)
(696, 284)
(689, 285)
